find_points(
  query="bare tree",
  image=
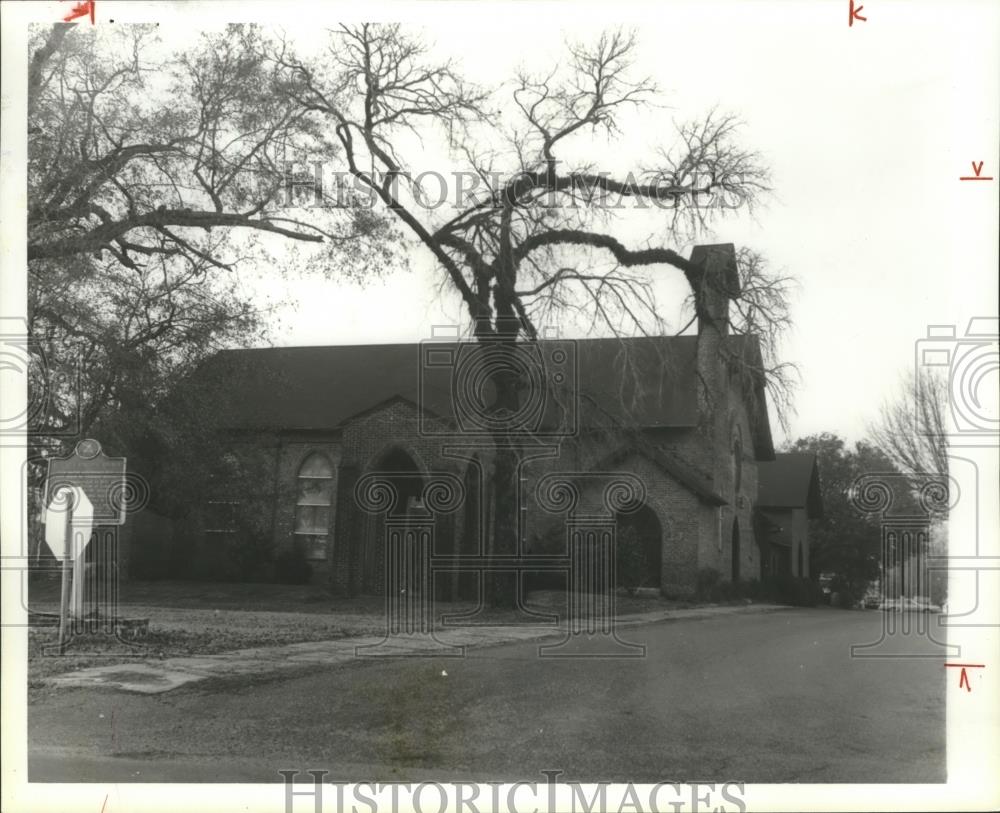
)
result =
(911, 428)
(912, 431)
(531, 240)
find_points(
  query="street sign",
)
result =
(69, 519)
(81, 522)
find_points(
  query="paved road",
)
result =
(755, 698)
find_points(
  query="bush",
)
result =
(711, 587)
(291, 567)
(707, 584)
(843, 600)
(794, 591)
(726, 591)
(754, 590)
(781, 590)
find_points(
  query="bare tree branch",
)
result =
(911, 429)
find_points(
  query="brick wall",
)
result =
(695, 534)
(725, 417)
(800, 542)
(359, 559)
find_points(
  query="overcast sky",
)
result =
(866, 130)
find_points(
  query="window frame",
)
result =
(308, 541)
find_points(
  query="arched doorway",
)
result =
(405, 476)
(397, 461)
(736, 550)
(639, 549)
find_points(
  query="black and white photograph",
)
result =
(498, 406)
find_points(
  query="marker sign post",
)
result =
(84, 490)
(69, 520)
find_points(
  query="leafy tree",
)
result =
(154, 177)
(141, 153)
(845, 542)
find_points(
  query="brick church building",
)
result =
(670, 412)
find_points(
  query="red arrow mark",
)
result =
(855, 14)
(81, 10)
(977, 176)
(963, 678)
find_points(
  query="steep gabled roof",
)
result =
(647, 382)
(697, 482)
(791, 480)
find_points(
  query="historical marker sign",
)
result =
(100, 477)
(84, 490)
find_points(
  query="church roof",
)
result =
(647, 382)
(791, 480)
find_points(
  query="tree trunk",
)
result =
(505, 498)
(507, 383)
(505, 486)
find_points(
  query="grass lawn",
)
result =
(202, 618)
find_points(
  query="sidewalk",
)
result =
(156, 677)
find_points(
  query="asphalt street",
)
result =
(758, 698)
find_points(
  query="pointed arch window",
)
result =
(312, 508)
(737, 460)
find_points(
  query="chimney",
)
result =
(719, 282)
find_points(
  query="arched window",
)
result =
(737, 460)
(736, 551)
(312, 509)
